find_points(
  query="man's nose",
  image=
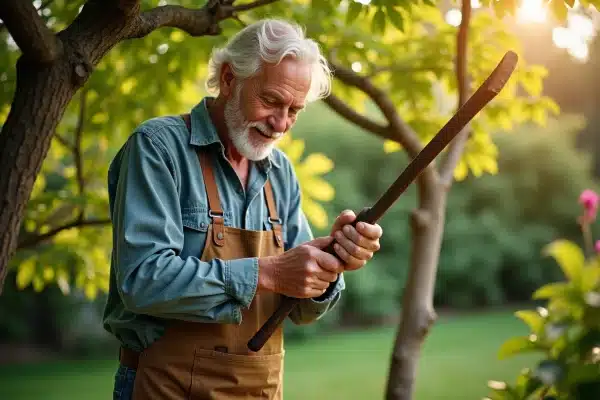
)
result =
(278, 121)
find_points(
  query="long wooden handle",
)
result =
(288, 303)
(482, 96)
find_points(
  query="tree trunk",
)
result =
(41, 98)
(418, 315)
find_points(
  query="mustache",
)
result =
(264, 128)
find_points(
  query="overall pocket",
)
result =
(218, 375)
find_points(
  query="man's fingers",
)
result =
(351, 233)
(360, 251)
(371, 231)
(327, 276)
(329, 262)
(321, 242)
(352, 263)
(346, 217)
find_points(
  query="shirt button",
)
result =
(203, 225)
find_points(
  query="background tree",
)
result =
(400, 71)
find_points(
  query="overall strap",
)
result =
(216, 213)
(273, 218)
(214, 205)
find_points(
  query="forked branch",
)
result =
(398, 130)
(351, 115)
(33, 240)
(36, 41)
(196, 22)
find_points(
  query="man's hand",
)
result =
(355, 246)
(302, 272)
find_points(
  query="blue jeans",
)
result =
(124, 379)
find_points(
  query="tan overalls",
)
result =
(210, 360)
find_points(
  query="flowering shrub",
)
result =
(567, 330)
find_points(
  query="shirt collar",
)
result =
(204, 133)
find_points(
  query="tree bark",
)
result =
(41, 97)
(418, 314)
(53, 67)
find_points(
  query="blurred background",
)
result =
(516, 190)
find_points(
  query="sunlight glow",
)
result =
(453, 17)
(365, 2)
(532, 11)
(576, 36)
(356, 66)
(563, 37)
(581, 25)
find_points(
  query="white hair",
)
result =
(270, 41)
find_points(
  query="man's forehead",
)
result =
(293, 77)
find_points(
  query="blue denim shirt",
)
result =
(159, 213)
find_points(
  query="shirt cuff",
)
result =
(241, 279)
(331, 292)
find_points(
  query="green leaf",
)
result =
(26, 273)
(559, 9)
(590, 276)
(396, 18)
(550, 290)
(517, 345)
(526, 384)
(379, 22)
(354, 10)
(532, 318)
(569, 257)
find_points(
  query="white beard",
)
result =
(239, 130)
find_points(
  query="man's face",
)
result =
(261, 109)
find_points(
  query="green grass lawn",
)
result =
(458, 359)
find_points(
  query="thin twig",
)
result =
(33, 240)
(77, 146)
(457, 147)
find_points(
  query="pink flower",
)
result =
(589, 199)
(597, 246)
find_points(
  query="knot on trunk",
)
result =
(81, 67)
(420, 218)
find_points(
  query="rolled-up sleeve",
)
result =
(152, 277)
(298, 232)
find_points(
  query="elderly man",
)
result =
(209, 232)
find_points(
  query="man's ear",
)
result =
(227, 80)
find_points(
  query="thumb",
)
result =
(321, 242)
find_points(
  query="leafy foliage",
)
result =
(313, 188)
(566, 332)
(406, 46)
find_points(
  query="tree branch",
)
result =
(457, 146)
(31, 241)
(63, 141)
(347, 112)
(77, 146)
(128, 7)
(34, 38)
(404, 69)
(196, 22)
(250, 6)
(398, 129)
